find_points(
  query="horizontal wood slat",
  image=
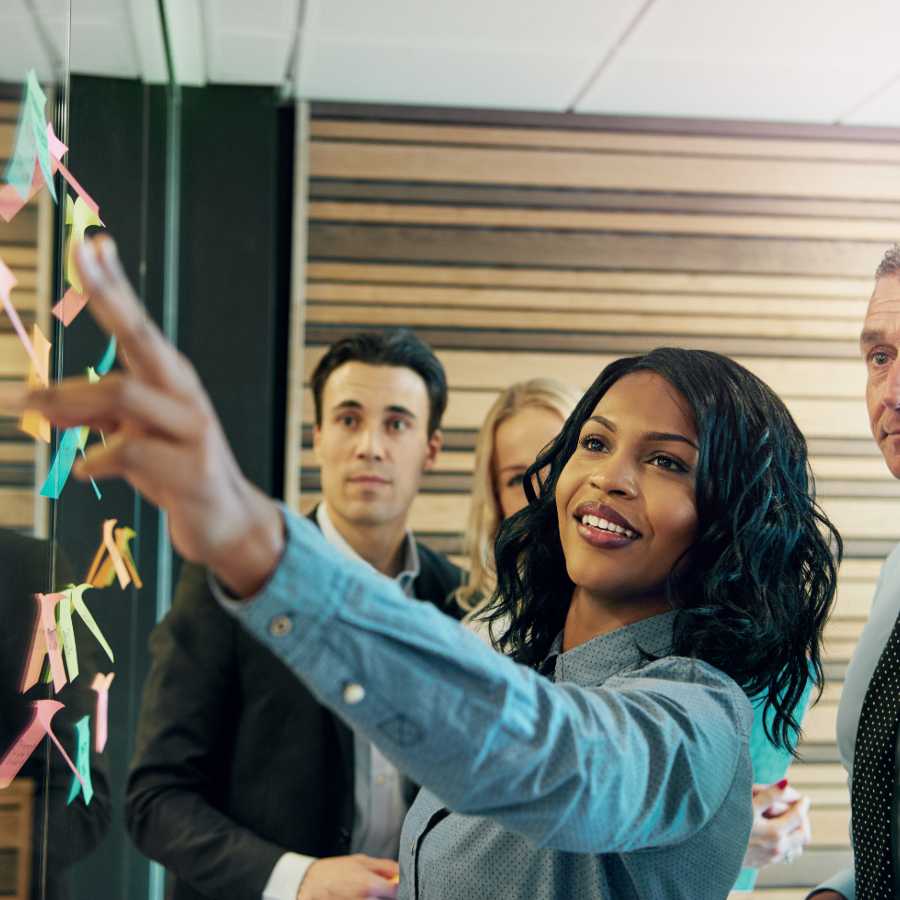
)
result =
(519, 247)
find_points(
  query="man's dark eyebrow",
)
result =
(347, 404)
(650, 435)
(871, 336)
(402, 410)
(393, 408)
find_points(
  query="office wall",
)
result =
(520, 245)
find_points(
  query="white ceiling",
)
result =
(818, 61)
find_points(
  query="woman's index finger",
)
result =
(116, 307)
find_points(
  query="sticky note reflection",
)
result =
(40, 725)
(101, 685)
(32, 147)
(81, 780)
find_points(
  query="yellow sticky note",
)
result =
(79, 216)
(32, 422)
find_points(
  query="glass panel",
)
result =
(79, 668)
(33, 83)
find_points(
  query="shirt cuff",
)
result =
(287, 876)
(844, 883)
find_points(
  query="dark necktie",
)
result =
(874, 777)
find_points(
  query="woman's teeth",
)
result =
(604, 525)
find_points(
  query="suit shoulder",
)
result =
(438, 566)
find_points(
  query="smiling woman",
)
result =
(705, 472)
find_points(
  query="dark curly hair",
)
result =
(755, 588)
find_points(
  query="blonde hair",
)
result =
(484, 510)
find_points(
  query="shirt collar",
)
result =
(592, 662)
(411, 564)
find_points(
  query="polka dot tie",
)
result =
(874, 777)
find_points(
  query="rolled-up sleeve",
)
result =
(844, 883)
(645, 759)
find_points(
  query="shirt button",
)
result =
(353, 693)
(379, 779)
(280, 626)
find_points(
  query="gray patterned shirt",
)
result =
(615, 778)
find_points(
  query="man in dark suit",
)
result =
(73, 830)
(868, 720)
(242, 784)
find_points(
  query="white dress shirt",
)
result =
(379, 803)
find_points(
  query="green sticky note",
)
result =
(82, 762)
(78, 604)
(67, 633)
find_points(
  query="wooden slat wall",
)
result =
(518, 249)
(19, 242)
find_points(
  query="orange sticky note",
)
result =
(123, 543)
(99, 574)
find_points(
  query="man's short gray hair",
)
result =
(890, 264)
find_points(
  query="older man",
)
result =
(869, 711)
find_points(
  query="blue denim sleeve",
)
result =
(844, 883)
(590, 770)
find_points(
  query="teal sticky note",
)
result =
(82, 762)
(20, 171)
(36, 112)
(32, 142)
(62, 464)
(109, 357)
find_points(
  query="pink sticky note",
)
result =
(48, 620)
(101, 685)
(41, 724)
(68, 308)
(45, 642)
(7, 283)
(79, 189)
(57, 148)
(7, 280)
(11, 202)
(116, 557)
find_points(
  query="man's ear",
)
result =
(435, 442)
(317, 441)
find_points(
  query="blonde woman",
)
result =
(519, 424)
(523, 420)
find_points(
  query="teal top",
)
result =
(770, 764)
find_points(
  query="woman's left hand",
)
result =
(781, 826)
